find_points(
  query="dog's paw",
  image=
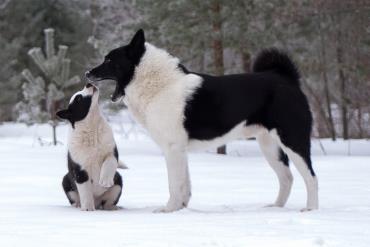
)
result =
(307, 209)
(273, 205)
(88, 207)
(76, 204)
(110, 207)
(172, 206)
(160, 210)
(167, 209)
(164, 210)
(106, 181)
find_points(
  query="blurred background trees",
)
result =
(329, 39)
(22, 25)
(43, 94)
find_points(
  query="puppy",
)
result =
(92, 181)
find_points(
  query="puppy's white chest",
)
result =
(90, 148)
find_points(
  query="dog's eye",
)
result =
(78, 98)
(107, 60)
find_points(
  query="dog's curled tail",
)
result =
(278, 61)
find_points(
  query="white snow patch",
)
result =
(226, 209)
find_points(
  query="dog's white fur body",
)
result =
(157, 97)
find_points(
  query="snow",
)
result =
(227, 207)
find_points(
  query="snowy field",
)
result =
(226, 210)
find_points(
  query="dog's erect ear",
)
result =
(137, 45)
(63, 114)
(138, 39)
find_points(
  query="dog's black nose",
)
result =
(87, 73)
(89, 85)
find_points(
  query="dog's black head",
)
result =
(80, 104)
(119, 64)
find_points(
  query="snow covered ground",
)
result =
(226, 209)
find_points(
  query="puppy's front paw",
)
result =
(106, 181)
(88, 206)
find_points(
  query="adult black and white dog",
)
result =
(184, 111)
(92, 180)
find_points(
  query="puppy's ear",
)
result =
(64, 114)
(137, 45)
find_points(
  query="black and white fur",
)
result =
(185, 111)
(92, 181)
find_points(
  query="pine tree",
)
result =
(19, 32)
(43, 94)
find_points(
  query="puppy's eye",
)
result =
(107, 60)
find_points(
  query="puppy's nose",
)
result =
(87, 73)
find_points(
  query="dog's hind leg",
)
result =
(280, 164)
(309, 177)
(299, 153)
(111, 197)
(70, 189)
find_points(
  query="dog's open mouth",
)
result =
(117, 94)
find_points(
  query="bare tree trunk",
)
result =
(54, 134)
(54, 121)
(319, 112)
(323, 68)
(359, 122)
(337, 19)
(326, 85)
(342, 88)
(217, 46)
(246, 60)
(328, 107)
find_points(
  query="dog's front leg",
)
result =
(107, 172)
(178, 178)
(86, 196)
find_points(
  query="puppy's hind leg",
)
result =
(280, 164)
(111, 197)
(70, 190)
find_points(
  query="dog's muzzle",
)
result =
(90, 77)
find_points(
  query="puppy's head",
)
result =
(81, 105)
(119, 65)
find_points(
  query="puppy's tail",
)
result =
(278, 61)
(122, 165)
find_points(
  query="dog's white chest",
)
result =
(136, 108)
(90, 147)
